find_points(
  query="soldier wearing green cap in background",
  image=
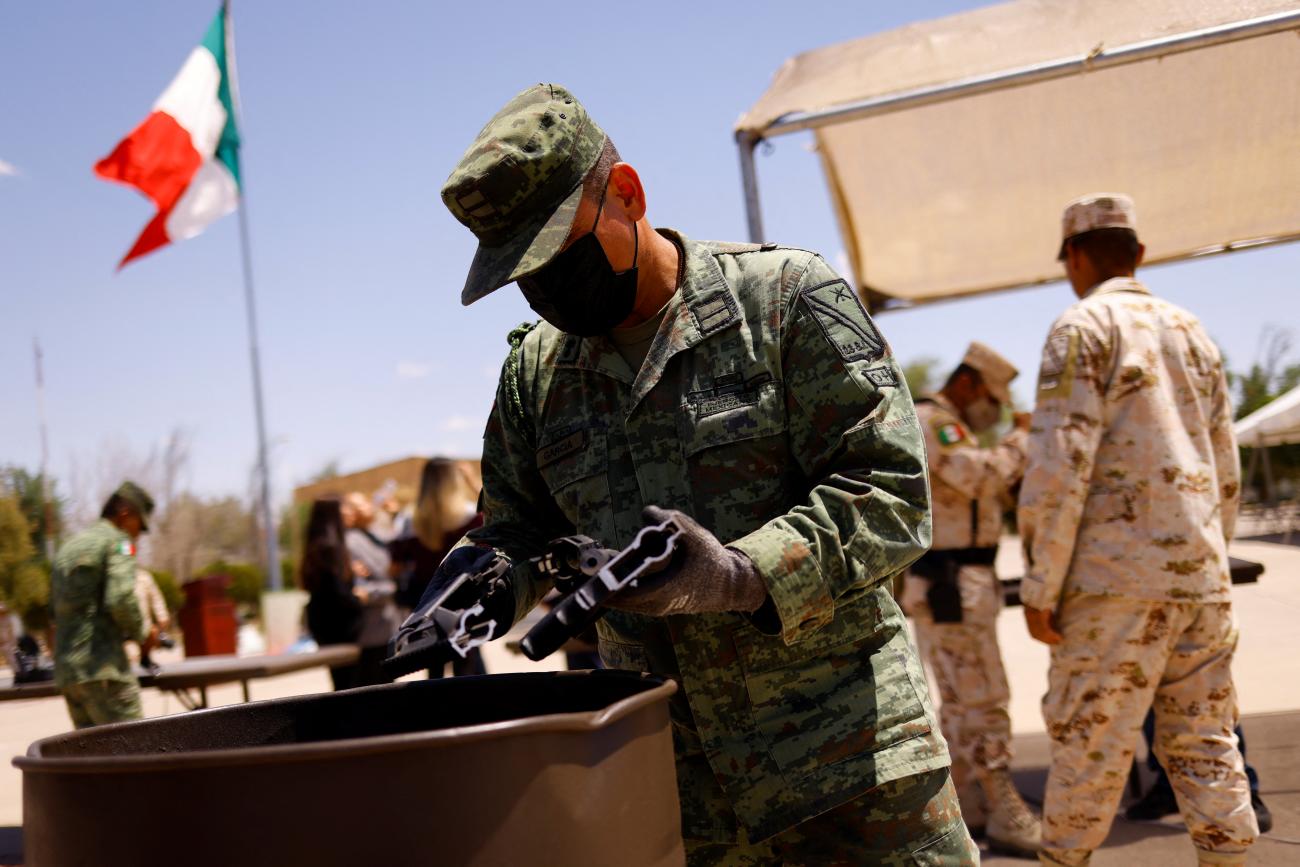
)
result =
(953, 594)
(743, 390)
(92, 596)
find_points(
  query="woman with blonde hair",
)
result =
(445, 510)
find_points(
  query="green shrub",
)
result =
(170, 589)
(247, 582)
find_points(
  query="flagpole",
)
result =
(272, 549)
(47, 513)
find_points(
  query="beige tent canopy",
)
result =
(951, 146)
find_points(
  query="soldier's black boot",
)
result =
(1157, 803)
(1263, 815)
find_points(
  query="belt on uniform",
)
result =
(940, 568)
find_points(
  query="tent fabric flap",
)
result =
(964, 196)
(1277, 423)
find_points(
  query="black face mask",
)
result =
(578, 291)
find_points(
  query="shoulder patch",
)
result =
(949, 433)
(125, 548)
(1060, 357)
(844, 321)
(882, 376)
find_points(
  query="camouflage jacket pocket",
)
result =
(738, 459)
(575, 466)
(848, 689)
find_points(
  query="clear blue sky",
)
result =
(353, 116)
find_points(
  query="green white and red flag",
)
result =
(185, 155)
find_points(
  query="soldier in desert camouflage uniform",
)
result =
(953, 595)
(1129, 498)
(744, 390)
(92, 595)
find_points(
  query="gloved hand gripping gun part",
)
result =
(469, 602)
(607, 572)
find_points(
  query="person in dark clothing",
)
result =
(1159, 800)
(446, 509)
(334, 610)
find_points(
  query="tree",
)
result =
(194, 531)
(32, 490)
(920, 375)
(1269, 378)
(24, 578)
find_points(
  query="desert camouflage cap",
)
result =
(139, 500)
(518, 186)
(1096, 211)
(995, 370)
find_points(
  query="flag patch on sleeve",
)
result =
(950, 434)
(126, 549)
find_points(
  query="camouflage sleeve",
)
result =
(854, 432)
(120, 599)
(519, 514)
(1067, 428)
(1227, 464)
(981, 472)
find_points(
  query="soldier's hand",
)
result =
(1042, 626)
(1021, 420)
(704, 576)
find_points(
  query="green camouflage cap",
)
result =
(518, 186)
(139, 500)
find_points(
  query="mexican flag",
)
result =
(185, 155)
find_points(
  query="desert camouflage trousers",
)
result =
(966, 663)
(1121, 656)
(913, 820)
(96, 702)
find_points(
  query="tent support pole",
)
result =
(746, 142)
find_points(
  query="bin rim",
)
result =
(575, 722)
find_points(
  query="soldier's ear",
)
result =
(1142, 252)
(625, 186)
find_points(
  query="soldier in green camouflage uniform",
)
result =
(92, 595)
(765, 405)
(1129, 499)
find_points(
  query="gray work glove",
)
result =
(702, 577)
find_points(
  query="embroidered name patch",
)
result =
(844, 321)
(730, 391)
(562, 448)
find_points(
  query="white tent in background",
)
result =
(1277, 423)
(950, 146)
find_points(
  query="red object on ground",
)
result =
(208, 617)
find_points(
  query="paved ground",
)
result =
(1275, 752)
(1265, 668)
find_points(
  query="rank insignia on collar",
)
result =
(950, 434)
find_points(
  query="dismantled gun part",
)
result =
(457, 615)
(606, 573)
(452, 619)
